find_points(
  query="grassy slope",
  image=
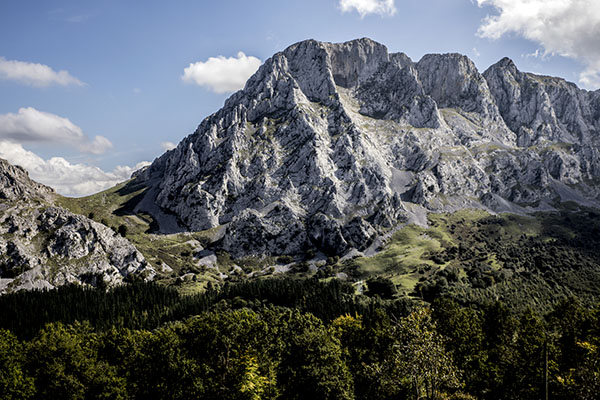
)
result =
(407, 256)
(526, 261)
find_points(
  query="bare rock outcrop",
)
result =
(44, 246)
(330, 145)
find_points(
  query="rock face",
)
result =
(330, 145)
(43, 246)
(15, 184)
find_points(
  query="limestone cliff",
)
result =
(330, 145)
(43, 246)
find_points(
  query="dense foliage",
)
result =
(288, 339)
(523, 261)
(141, 305)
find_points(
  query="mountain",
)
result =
(345, 160)
(43, 245)
(330, 147)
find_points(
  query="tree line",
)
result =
(289, 339)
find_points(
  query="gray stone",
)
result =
(44, 246)
(330, 146)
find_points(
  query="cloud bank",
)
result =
(32, 74)
(220, 74)
(67, 179)
(31, 125)
(570, 28)
(166, 146)
(366, 7)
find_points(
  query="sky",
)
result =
(92, 90)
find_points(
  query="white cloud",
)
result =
(99, 145)
(590, 77)
(366, 7)
(569, 28)
(220, 74)
(538, 53)
(33, 74)
(66, 178)
(168, 146)
(31, 125)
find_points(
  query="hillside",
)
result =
(344, 160)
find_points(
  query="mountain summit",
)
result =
(330, 146)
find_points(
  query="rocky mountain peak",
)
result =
(43, 245)
(353, 62)
(329, 146)
(453, 81)
(16, 184)
(505, 63)
(542, 108)
(401, 60)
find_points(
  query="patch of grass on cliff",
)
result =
(112, 207)
(173, 250)
(403, 255)
(415, 253)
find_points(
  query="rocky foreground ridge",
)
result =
(43, 245)
(329, 146)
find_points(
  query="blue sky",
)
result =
(121, 99)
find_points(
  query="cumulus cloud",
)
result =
(99, 145)
(66, 178)
(366, 7)
(569, 28)
(31, 125)
(33, 74)
(168, 146)
(220, 74)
